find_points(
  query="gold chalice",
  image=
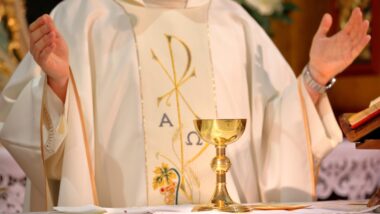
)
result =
(220, 133)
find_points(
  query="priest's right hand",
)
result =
(50, 51)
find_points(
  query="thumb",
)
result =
(324, 26)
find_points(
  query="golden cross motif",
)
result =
(177, 80)
(177, 84)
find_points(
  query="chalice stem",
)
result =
(221, 164)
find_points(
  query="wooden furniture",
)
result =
(368, 137)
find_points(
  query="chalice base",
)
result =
(232, 208)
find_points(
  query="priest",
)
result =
(101, 110)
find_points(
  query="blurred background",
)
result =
(345, 174)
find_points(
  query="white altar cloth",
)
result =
(313, 207)
(350, 173)
(12, 184)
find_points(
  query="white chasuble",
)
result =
(177, 86)
(139, 105)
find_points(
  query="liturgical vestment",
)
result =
(140, 75)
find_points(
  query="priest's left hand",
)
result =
(329, 56)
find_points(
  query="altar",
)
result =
(313, 207)
(346, 173)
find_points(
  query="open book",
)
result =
(365, 115)
(363, 127)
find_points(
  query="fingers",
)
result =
(47, 51)
(359, 47)
(40, 27)
(362, 32)
(37, 23)
(354, 30)
(353, 36)
(42, 35)
(357, 29)
(324, 26)
(354, 22)
(46, 41)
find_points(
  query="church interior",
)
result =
(347, 173)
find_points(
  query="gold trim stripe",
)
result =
(308, 139)
(47, 196)
(86, 144)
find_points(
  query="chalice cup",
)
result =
(220, 133)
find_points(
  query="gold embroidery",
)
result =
(173, 79)
(169, 64)
(177, 83)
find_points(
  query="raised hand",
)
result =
(329, 56)
(50, 51)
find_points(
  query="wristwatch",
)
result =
(310, 81)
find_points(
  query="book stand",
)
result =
(367, 136)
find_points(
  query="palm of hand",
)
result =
(331, 55)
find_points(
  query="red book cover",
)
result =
(364, 116)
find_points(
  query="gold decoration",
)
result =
(14, 44)
(177, 81)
